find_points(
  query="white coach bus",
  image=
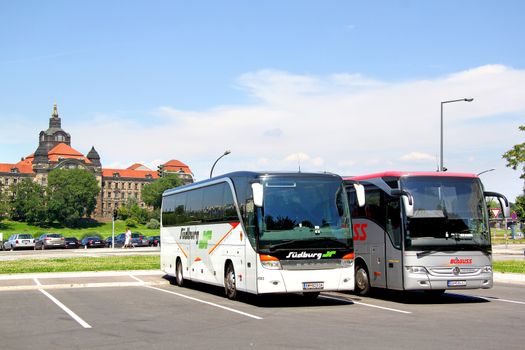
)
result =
(422, 231)
(260, 233)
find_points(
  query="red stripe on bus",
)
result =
(233, 225)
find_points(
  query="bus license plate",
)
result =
(456, 283)
(313, 285)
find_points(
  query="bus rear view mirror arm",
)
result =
(503, 201)
(408, 200)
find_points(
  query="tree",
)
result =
(72, 195)
(519, 207)
(516, 156)
(4, 206)
(152, 193)
(28, 202)
(132, 210)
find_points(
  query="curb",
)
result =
(32, 281)
(506, 277)
(19, 276)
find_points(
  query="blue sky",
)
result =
(344, 86)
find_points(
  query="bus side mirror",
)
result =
(409, 206)
(360, 194)
(257, 190)
(503, 202)
(408, 201)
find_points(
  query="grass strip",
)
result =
(109, 263)
(510, 266)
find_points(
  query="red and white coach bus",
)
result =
(422, 231)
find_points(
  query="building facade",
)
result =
(54, 151)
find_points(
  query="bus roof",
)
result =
(246, 174)
(409, 173)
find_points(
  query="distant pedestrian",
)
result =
(127, 241)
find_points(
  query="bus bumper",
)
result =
(303, 281)
(428, 281)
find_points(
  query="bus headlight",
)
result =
(270, 262)
(416, 269)
(487, 268)
(348, 260)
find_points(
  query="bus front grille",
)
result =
(449, 271)
(310, 264)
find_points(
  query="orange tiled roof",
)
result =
(24, 167)
(64, 151)
(138, 166)
(129, 173)
(6, 168)
(176, 166)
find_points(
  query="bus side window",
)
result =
(393, 220)
(230, 212)
(355, 210)
(373, 206)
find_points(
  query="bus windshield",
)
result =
(448, 212)
(301, 213)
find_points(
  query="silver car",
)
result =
(50, 240)
(19, 241)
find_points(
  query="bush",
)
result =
(89, 234)
(153, 224)
(131, 222)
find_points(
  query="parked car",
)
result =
(19, 241)
(93, 242)
(120, 239)
(50, 240)
(154, 241)
(108, 240)
(139, 240)
(72, 242)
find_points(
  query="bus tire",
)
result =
(179, 277)
(229, 282)
(362, 280)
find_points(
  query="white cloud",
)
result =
(418, 157)
(344, 123)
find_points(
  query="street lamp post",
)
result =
(224, 154)
(441, 144)
(485, 171)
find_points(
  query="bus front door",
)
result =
(393, 251)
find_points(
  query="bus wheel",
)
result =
(179, 278)
(362, 282)
(229, 282)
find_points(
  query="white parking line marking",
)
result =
(136, 279)
(62, 306)
(207, 303)
(503, 300)
(364, 304)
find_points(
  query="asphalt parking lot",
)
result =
(142, 310)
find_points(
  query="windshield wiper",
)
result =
(308, 243)
(433, 250)
(282, 244)
(331, 240)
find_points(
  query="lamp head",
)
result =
(469, 99)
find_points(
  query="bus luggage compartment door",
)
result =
(377, 266)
